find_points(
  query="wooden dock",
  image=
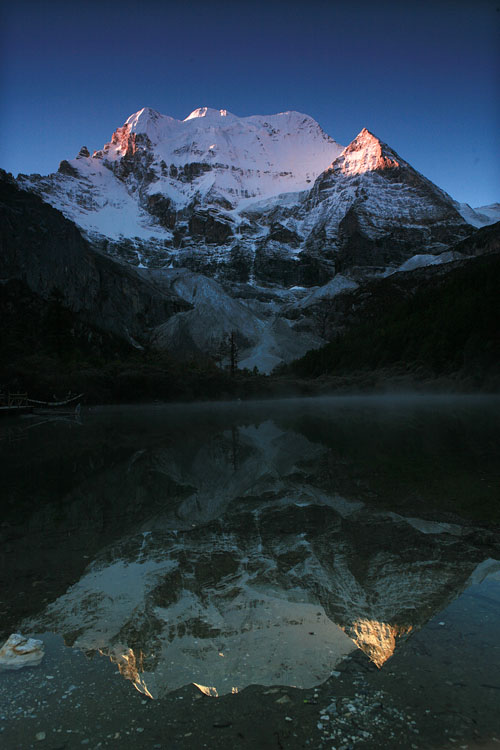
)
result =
(14, 403)
(19, 403)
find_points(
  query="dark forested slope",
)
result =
(437, 321)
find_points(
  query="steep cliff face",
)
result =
(45, 250)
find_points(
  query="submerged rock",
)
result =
(18, 651)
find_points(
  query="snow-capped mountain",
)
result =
(270, 207)
(155, 166)
(218, 183)
(374, 208)
(242, 157)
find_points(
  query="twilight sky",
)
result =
(424, 78)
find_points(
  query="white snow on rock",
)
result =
(480, 217)
(385, 190)
(279, 153)
(366, 153)
(329, 290)
(97, 202)
(419, 261)
(238, 160)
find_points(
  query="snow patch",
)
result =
(419, 261)
(329, 290)
(479, 217)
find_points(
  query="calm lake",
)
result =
(320, 573)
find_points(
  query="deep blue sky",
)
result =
(424, 78)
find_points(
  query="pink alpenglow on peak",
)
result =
(366, 153)
(146, 122)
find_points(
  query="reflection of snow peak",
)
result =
(230, 604)
(376, 639)
(129, 667)
(254, 574)
(228, 637)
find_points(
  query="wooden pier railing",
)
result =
(11, 400)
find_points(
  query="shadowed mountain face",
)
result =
(253, 544)
(46, 251)
(440, 319)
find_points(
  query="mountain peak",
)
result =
(209, 113)
(147, 121)
(366, 136)
(367, 153)
(366, 140)
(144, 115)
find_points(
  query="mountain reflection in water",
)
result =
(263, 544)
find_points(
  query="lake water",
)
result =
(319, 573)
